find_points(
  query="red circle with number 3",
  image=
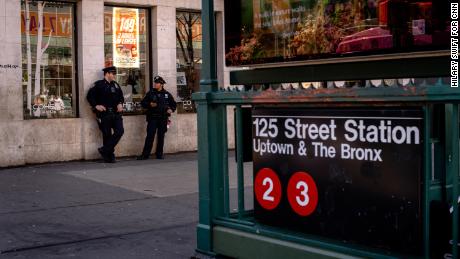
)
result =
(267, 188)
(302, 193)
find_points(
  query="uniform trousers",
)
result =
(109, 122)
(155, 125)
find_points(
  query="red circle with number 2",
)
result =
(302, 193)
(267, 188)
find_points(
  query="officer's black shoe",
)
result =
(108, 158)
(101, 151)
(161, 157)
(111, 159)
(142, 157)
(103, 154)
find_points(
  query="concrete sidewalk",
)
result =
(131, 209)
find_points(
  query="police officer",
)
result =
(106, 100)
(159, 104)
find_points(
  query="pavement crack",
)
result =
(76, 206)
(121, 235)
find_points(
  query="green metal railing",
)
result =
(261, 87)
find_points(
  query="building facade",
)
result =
(51, 52)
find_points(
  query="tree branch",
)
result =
(181, 33)
(181, 22)
(48, 43)
(184, 25)
(196, 36)
(182, 46)
(196, 19)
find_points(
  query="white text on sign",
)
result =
(290, 136)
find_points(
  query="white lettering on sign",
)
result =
(384, 133)
(265, 128)
(322, 150)
(361, 154)
(303, 186)
(65, 24)
(332, 137)
(268, 147)
(269, 182)
(295, 129)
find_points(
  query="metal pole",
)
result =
(427, 181)
(455, 178)
(208, 81)
(239, 159)
(211, 138)
(452, 167)
(224, 157)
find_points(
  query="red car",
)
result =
(367, 40)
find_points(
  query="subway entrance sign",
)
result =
(351, 175)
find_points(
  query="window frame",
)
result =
(74, 72)
(180, 102)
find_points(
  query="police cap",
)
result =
(159, 79)
(111, 69)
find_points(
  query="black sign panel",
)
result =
(353, 175)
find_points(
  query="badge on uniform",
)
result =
(112, 89)
(166, 96)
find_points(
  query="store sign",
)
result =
(108, 27)
(125, 26)
(259, 32)
(352, 175)
(54, 24)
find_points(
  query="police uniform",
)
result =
(109, 95)
(157, 118)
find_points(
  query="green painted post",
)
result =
(224, 157)
(208, 81)
(212, 146)
(211, 171)
(427, 181)
(204, 238)
(455, 169)
(452, 167)
(239, 159)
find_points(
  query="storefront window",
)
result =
(48, 54)
(189, 45)
(126, 46)
(264, 31)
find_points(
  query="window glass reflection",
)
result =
(283, 30)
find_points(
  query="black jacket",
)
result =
(105, 93)
(164, 101)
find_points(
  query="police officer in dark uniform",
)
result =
(106, 100)
(159, 104)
